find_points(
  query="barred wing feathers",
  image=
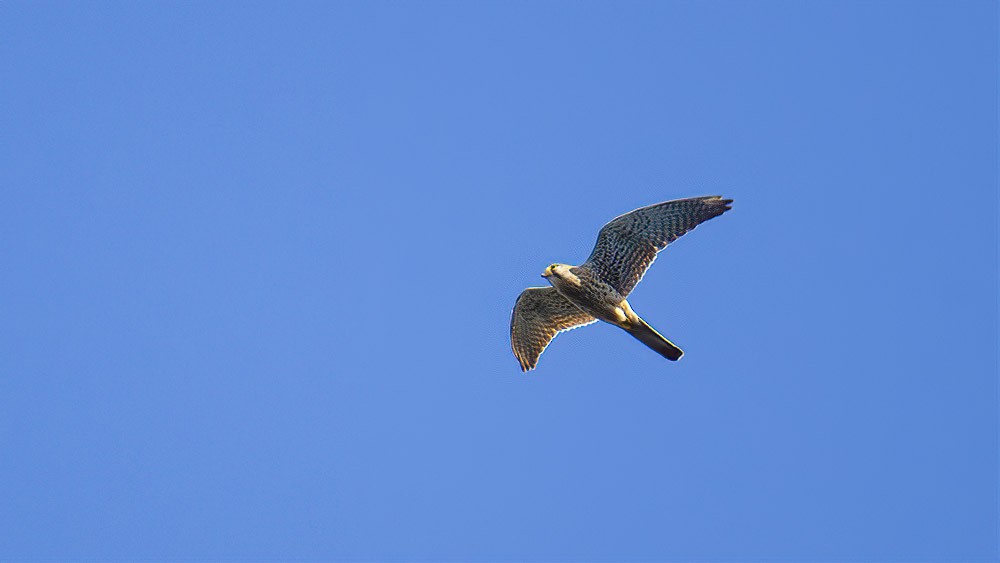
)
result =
(628, 244)
(539, 315)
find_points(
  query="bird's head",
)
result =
(557, 271)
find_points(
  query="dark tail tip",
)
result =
(654, 340)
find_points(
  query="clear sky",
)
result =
(259, 261)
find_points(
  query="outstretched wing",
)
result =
(628, 244)
(539, 315)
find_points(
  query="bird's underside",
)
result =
(597, 289)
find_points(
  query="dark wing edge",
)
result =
(539, 314)
(627, 245)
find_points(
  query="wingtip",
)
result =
(718, 200)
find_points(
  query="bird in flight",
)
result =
(596, 290)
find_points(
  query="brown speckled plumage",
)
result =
(539, 314)
(597, 289)
(628, 244)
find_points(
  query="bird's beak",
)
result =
(546, 273)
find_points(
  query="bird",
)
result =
(597, 289)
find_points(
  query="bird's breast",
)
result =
(600, 300)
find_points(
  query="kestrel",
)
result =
(596, 290)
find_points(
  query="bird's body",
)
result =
(587, 291)
(597, 289)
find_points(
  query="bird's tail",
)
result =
(648, 336)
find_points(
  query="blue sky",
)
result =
(260, 260)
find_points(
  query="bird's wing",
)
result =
(539, 314)
(628, 244)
